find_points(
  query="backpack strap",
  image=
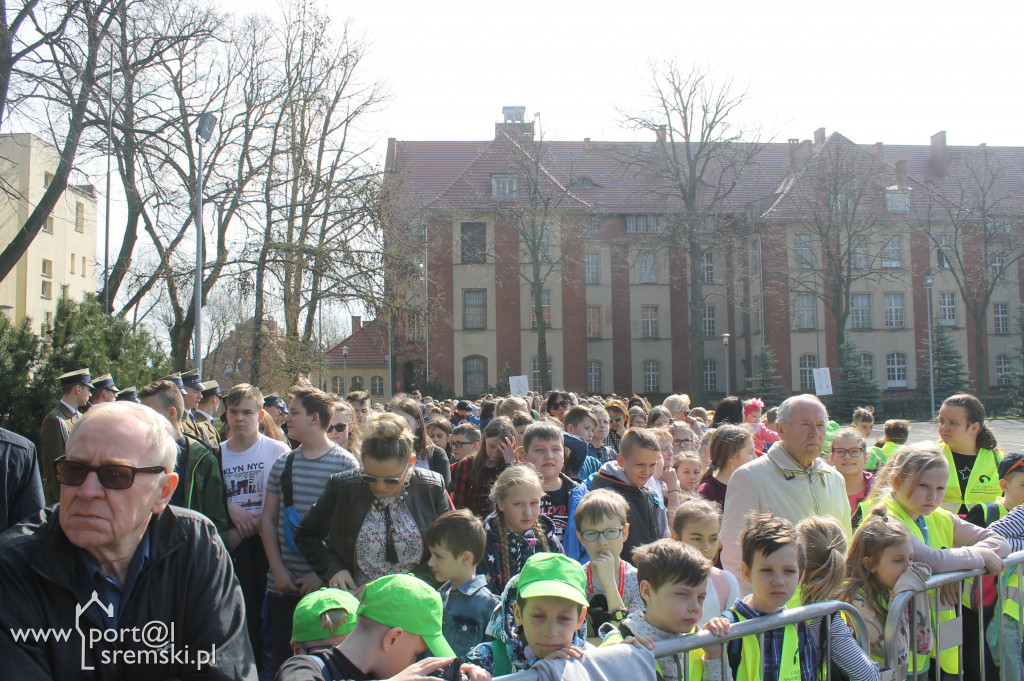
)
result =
(323, 658)
(721, 583)
(286, 481)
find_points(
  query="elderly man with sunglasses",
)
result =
(113, 582)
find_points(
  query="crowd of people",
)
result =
(329, 537)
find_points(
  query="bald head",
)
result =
(127, 423)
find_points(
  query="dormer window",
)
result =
(897, 201)
(505, 187)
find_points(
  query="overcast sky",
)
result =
(894, 72)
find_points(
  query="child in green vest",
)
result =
(896, 433)
(773, 564)
(673, 583)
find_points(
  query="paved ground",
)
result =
(1009, 432)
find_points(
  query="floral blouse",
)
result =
(371, 560)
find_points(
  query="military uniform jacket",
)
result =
(53, 435)
(208, 431)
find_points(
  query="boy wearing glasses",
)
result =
(465, 441)
(613, 592)
(296, 481)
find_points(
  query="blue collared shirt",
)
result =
(107, 588)
(772, 654)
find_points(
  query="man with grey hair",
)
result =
(113, 582)
(791, 480)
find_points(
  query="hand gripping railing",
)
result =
(949, 634)
(758, 625)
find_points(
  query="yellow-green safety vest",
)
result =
(695, 656)
(982, 486)
(879, 455)
(940, 536)
(751, 667)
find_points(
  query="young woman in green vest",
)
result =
(969, 447)
(912, 486)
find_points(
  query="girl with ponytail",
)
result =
(970, 450)
(731, 447)
(824, 544)
(516, 529)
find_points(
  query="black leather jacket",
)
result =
(187, 583)
(327, 535)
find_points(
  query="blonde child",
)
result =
(731, 447)
(880, 565)
(911, 486)
(688, 470)
(824, 546)
(697, 524)
(516, 529)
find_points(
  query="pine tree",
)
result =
(765, 383)
(854, 385)
(948, 362)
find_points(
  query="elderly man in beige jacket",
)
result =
(791, 480)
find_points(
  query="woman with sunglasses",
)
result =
(618, 423)
(428, 455)
(558, 403)
(344, 430)
(371, 523)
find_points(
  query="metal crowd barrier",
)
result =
(685, 644)
(949, 634)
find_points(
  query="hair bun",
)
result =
(387, 426)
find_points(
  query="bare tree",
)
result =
(840, 216)
(699, 159)
(319, 239)
(976, 226)
(59, 64)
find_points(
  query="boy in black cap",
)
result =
(76, 388)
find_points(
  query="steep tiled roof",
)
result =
(438, 176)
(366, 347)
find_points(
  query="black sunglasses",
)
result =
(339, 428)
(559, 405)
(110, 475)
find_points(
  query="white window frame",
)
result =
(867, 360)
(803, 251)
(895, 315)
(1001, 317)
(535, 373)
(947, 309)
(944, 252)
(710, 376)
(897, 201)
(505, 187)
(592, 269)
(593, 322)
(376, 385)
(594, 377)
(1004, 370)
(808, 363)
(708, 321)
(650, 321)
(892, 253)
(647, 268)
(652, 376)
(806, 311)
(707, 266)
(860, 315)
(896, 370)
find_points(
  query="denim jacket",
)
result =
(466, 613)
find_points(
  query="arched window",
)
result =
(808, 363)
(652, 376)
(357, 383)
(474, 375)
(594, 386)
(377, 385)
(896, 370)
(867, 360)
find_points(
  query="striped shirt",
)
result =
(1011, 526)
(309, 477)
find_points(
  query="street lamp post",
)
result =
(203, 131)
(725, 342)
(928, 283)
(344, 353)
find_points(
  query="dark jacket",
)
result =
(53, 435)
(327, 535)
(438, 461)
(21, 491)
(646, 516)
(187, 583)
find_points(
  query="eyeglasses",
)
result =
(843, 453)
(387, 482)
(610, 533)
(682, 443)
(559, 405)
(461, 443)
(339, 428)
(110, 475)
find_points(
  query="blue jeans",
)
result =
(1006, 650)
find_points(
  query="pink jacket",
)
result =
(764, 438)
(967, 538)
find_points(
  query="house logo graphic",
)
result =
(108, 608)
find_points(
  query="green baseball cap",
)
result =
(306, 624)
(407, 602)
(553, 574)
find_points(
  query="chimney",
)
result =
(660, 134)
(357, 323)
(901, 173)
(792, 144)
(391, 160)
(940, 153)
(819, 135)
(514, 123)
(876, 149)
(799, 153)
